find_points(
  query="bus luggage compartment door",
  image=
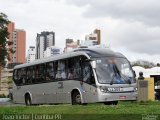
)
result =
(61, 98)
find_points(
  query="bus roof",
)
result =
(88, 52)
(100, 52)
(52, 58)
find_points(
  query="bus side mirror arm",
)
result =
(134, 73)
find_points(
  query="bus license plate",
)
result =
(122, 97)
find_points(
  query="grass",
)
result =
(123, 111)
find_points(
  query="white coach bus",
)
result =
(78, 77)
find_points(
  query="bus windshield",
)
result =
(113, 70)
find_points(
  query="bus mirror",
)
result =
(93, 63)
(88, 60)
(134, 73)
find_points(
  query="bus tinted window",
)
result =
(15, 77)
(50, 74)
(30, 75)
(40, 69)
(19, 77)
(61, 69)
(70, 69)
(77, 68)
(88, 76)
(23, 76)
(33, 69)
(74, 68)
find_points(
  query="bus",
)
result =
(95, 75)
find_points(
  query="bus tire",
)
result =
(111, 103)
(28, 101)
(114, 102)
(76, 98)
(11, 96)
(84, 104)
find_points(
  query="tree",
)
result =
(143, 63)
(4, 50)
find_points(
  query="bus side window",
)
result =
(33, 74)
(74, 68)
(61, 70)
(70, 69)
(57, 70)
(23, 76)
(77, 68)
(40, 73)
(29, 75)
(19, 75)
(37, 74)
(88, 76)
(15, 77)
(49, 71)
(64, 71)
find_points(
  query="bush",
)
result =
(3, 96)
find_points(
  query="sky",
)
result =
(131, 27)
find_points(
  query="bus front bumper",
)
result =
(117, 96)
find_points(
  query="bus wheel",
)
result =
(107, 103)
(11, 96)
(76, 98)
(111, 103)
(28, 100)
(84, 104)
(114, 102)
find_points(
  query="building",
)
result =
(19, 46)
(31, 54)
(71, 44)
(98, 33)
(44, 40)
(11, 28)
(18, 39)
(51, 51)
(93, 38)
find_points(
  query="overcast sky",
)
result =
(129, 26)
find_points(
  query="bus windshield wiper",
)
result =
(126, 78)
(115, 71)
(111, 83)
(120, 75)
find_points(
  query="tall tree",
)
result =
(4, 50)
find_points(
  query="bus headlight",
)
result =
(105, 90)
(135, 89)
